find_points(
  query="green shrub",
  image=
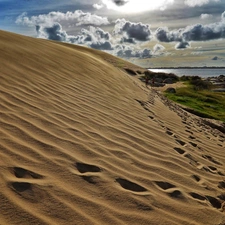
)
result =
(200, 102)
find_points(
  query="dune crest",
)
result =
(83, 142)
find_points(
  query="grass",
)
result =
(204, 103)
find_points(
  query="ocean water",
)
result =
(201, 72)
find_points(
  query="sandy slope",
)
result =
(83, 143)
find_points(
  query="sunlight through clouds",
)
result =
(133, 6)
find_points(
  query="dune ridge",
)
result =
(83, 142)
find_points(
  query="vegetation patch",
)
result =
(198, 98)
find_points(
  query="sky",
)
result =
(152, 34)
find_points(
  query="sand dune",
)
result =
(82, 142)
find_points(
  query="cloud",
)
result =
(196, 32)
(106, 45)
(77, 16)
(54, 32)
(158, 48)
(127, 40)
(94, 37)
(98, 6)
(199, 32)
(206, 16)
(182, 45)
(128, 52)
(137, 31)
(193, 3)
(164, 35)
(223, 16)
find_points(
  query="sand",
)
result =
(83, 142)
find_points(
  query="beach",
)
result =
(84, 142)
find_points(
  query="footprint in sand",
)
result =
(189, 131)
(221, 197)
(169, 132)
(210, 169)
(27, 186)
(128, 185)
(196, 177)
(214, 202)
(221, 185)
(197, 196)
(145, 106)
(172, 193)
(164, 185)
(192, 137)
(84, 168)
(211, 159)
(21, 186)
(193, 144)
(193, 161)
(181, 142)
(20, 172)
(179, 150)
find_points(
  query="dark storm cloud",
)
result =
(164, 35)
(94, 37)
(124, 51)
(54, 32)
(196, 32)
(201, 32)
(137, 31)
(102, 45)
(127, 40)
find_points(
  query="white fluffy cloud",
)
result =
(129, 30)
(98, 6)
(206, 16)
(78, 17)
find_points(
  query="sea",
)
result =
(201, 72)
